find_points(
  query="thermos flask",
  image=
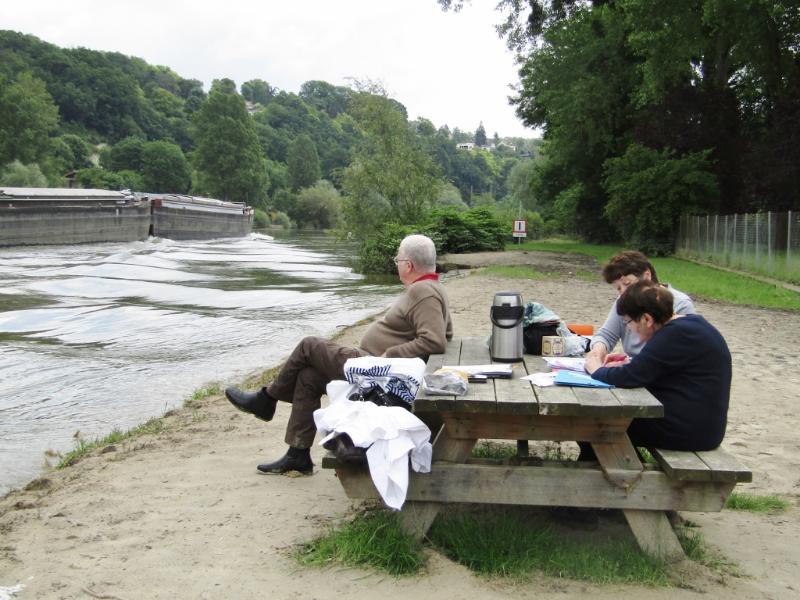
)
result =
(506, 315)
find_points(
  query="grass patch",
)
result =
(517, 272)
(152, 426)
(495, 450)
(586, 275)
(601, 252)
(699, 281)
(707, 282)
(696, 549)
(514, 543)
(263, 378)
(755, 503)
(372, 539)
(503, 543)
(646, 457)
(84, 447)
(212, 389)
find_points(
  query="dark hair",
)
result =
(628, 262)
(646, 297)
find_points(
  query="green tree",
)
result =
(127, 154)
(27, 117)
(648, 190)
(80, 151)
(258, 91)
(98, 178)
(303, 163)
(480, 135)
(391, 177)
(165, 168)
(331, 99)
(317, 206)
(15, 174)
(229, 160)
(519, 184)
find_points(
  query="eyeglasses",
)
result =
(628, 321)
(399, 260)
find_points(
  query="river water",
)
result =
(102, 336)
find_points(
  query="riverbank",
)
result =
(182, 513)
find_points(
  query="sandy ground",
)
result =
(184, 513)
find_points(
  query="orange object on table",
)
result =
(579, 329)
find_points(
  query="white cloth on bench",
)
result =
(390, 434)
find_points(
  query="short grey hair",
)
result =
(420, 250)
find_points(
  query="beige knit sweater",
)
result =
(418, 324)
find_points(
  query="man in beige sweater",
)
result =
(418, 324)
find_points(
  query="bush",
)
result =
(317, 206)
(379, 248)
(260, 219)
(282, 219)
(475, 230)
(15, 174)
(97, 178)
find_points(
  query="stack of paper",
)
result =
(565, 362)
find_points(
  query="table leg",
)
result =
(651, 528)
(417, 517)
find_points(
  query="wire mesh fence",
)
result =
(766, 243)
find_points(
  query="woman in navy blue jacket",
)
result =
(685, 364)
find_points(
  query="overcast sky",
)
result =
(448, 67)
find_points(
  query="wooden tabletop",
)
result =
(512, 396)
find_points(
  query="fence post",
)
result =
(788, 241)
(744, 239)
(758, 249)
(769, 241)
(697, 228)
(725, 240)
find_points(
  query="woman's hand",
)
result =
(616, 360)
(593, 362)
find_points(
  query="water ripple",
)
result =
(107, 335)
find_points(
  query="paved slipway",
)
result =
(184, 514)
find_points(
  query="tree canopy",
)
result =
(229, 160)
(697, 99)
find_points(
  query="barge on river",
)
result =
(73, 216)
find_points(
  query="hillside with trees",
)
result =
(327, 156)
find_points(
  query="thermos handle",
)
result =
(513, 312)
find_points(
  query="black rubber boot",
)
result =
(295, 459)
(259, 404)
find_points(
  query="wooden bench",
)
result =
(513, 410)
(714, 465)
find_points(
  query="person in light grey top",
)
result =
(623, 270)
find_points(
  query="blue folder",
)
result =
(564, 377)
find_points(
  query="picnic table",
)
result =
(510, 409)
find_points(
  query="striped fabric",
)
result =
(400, 377)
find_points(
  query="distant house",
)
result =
(465, 146)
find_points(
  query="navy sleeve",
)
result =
(649, 365)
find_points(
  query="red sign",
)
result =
(520, 228)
